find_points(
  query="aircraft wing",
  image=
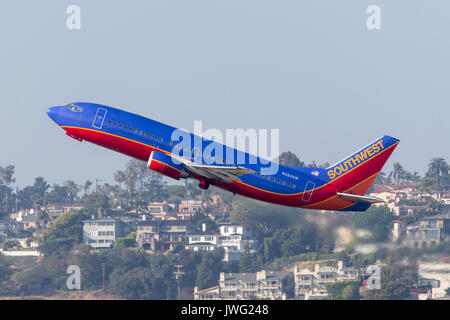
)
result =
(221, 173)
(357, 198)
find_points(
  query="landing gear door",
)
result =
(99, 118)
(308, 194)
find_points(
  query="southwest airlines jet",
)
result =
(339, 187)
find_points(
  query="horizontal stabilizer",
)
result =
(356, 198)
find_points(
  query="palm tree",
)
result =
(130, 180)
(398, 172)
(415, 177)
(7, 174)
(87, 185)
(438, 167)
(72, 189)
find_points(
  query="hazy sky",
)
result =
(309, 68)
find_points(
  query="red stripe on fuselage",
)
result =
(324, 197)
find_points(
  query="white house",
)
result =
(234, 238)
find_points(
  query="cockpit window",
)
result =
(74, 108)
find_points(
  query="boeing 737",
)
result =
(339, 187)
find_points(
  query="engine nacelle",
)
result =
(163, 163)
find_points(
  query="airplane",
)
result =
(340, 187)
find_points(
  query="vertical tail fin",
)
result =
(357, 172)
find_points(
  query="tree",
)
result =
(34, 281)
(87, 185)
(344, 290)
(58, 194)
(438, 168)
(137, 275)
(127, 241)
(263, 219)
(10, 243)
(5, 269)
(72, 190)
(90, 265)
(248, 261)
(199, 219)
(6, 175)
(397, 277)
(190, 260)
(64, 233)
(96, 203)
(209, 269)
(377, 220)
(290, 159)
(39, 191)
(398, 172)
(288, 286)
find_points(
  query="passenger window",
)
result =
(160, 139)
(156, 137)
(115, 123)
(110, 121)
(293, 186)
(125, 126)
(278, 181)
(289, 184)
(283, 183)
(149, 135)
(141, 132)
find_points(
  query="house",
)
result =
(73, 207)
(161, 235)
(53, 211)
(14, 230)
(103, 232)
(203, 241)
(405, 210)
(312, 284)
(393, 193)
(29, 221)
(428, 231)
(161, 208)
(234, 238)
(434, 274)
(243, 286)
(190, 206)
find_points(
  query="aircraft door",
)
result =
(308, 194)
(99, 118)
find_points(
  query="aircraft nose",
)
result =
(53, 113)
